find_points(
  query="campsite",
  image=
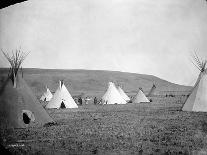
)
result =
(157, 127)
(117, 77)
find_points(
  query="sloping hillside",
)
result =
(93, 82)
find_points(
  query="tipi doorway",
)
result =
(62, 106)
(27, 116)
(26, 119)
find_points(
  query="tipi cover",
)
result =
(112, 95)
(197, 101)
(19, 108)
(47, 95)
(123, 94)
(152, 90)
(61, 98)
(140, 97)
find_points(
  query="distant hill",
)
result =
(93, 82)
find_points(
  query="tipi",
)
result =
(140, 97)
(123, 94)
(152, 90)
(61, 98)
(19, 107)
(112, 95)
(47, 95)
(197, 101)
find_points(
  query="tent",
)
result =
(197, 101)
(47, 95)
(19, 108)
(61, 98)
(123, 94)
(152, 90)
(112, 95)
(140, 97)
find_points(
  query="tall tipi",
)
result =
(152, 90)
(19, 108)
(197, 101)
(112, 95)
(47, 95)
(140, 97)
(123, 94)
(61, 98)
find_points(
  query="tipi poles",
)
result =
(22, 72)
(14, 80)
(9, 71)
(15, 61)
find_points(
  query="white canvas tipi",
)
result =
(112, 95)
(47, 95)
(123, 94)
(61, 98)
(197, 101)
(140, 97)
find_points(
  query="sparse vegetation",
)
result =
(120, 129)
(159, 127)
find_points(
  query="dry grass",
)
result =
(159, 127)
(148, 128)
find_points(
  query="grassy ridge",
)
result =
(93, 82)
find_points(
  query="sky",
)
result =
(138, 36)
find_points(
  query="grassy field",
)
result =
(158, 127)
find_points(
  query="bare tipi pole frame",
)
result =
(15, 61)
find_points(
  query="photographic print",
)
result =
(113, 77)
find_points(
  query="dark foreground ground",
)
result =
(159, 127)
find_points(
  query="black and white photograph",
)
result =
(104, 77)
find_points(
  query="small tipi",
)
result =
(197, 101)
(112, 95)
(61, 98)
(140, 97)
(123, 94)
(19, 107)
(152, 90)
(47, 95)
